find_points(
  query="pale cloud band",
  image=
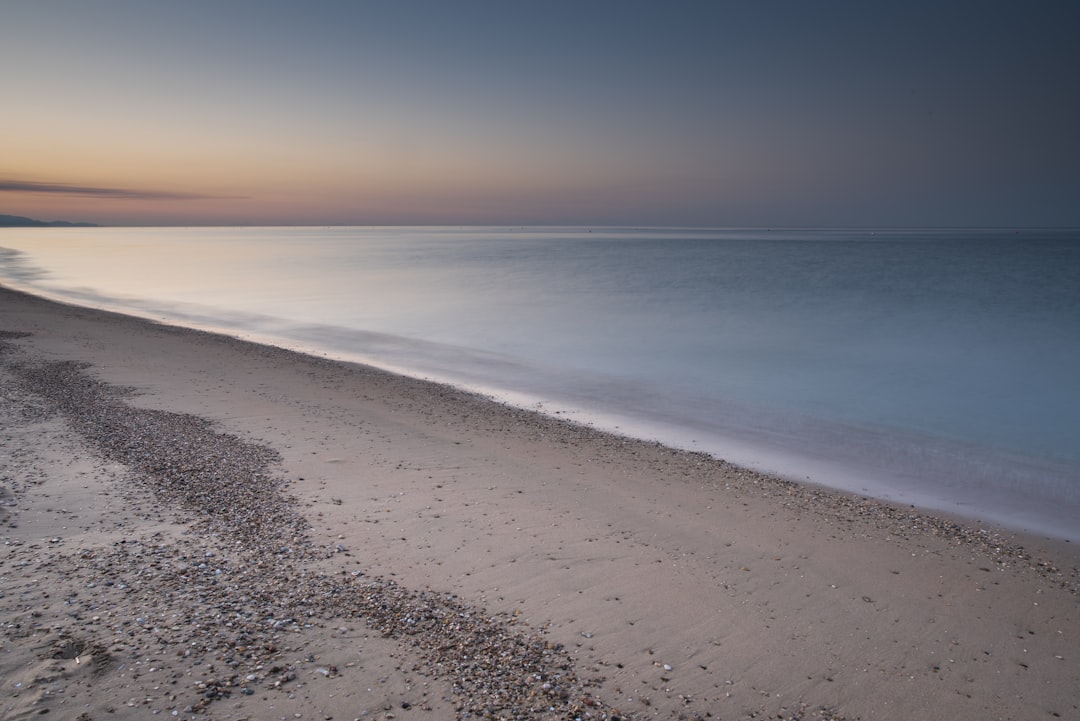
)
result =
(22, 186)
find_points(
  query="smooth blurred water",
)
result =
(936, 367)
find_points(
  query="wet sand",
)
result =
(199, 527)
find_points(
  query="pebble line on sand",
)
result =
(496, 668)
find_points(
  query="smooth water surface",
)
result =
(935, 367)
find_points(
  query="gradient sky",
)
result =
(606, 113)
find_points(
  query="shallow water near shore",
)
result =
(934, 367)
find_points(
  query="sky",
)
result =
(724, 114)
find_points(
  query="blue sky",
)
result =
(613, 113)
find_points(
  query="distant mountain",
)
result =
(17, 221)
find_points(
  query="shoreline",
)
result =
(620, 558)
(984, 445)
(798, 462)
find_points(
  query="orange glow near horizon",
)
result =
(361, 113)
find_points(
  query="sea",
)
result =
(938, 368)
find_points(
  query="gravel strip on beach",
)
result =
(232, 604)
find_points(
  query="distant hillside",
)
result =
(17, 221)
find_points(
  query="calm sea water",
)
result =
(933, 367)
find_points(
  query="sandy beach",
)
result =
(200, 527)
